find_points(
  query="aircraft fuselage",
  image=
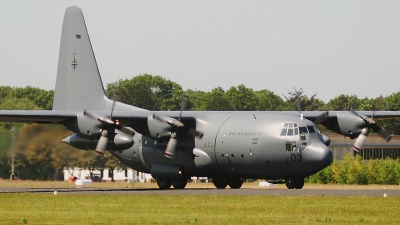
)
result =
(238, 145)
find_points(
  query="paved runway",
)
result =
(211, 191)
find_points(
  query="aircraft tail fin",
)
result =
(78, 85)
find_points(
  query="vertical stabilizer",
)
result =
(78, 84)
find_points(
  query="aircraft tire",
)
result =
(219, 183)
(179, 184)
(235, 183)
(294, 182)
(164, 184)
(300, 183)
(291, 182)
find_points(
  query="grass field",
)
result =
(191, 209)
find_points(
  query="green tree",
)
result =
(357, 171)
(342, 102)
(386, 172)
(145, 91)
(306, 103)
(39, 153)
(241, 98)
(216, 100)
(268, 101)
(195, 100)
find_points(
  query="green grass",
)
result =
(193, 209)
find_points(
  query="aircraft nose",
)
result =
(319, 155)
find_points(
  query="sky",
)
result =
(326, 48)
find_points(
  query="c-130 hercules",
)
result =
(174, 145)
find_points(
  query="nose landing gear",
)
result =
(294, 182)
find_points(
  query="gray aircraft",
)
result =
(175, 145)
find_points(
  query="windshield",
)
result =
(303, 130)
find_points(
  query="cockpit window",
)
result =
(311, 129)
(289, 129)
(316, 129)
(303, 130)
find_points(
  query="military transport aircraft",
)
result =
(175, 145)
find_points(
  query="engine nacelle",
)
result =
(158, 129)
(166, 171)
(87, 126)
(350, 124)
(119, 142)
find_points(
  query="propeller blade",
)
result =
(359, 143)
(299, 108)
(116, 98)
(195, 133)
(377, 106)
(169, 120)
(183, 104)
(127, 130)
(322, 118)
(382, 132)
(171, 147)
(101, 145)
(103, 119)
(90, 115)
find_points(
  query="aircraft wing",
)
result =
(317, 116)
(57, 116)
(36, 116)
(381, 115)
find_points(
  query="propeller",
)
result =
(299, 108)
(108, 125)
(320, 118)
(176, 127)
(369, 123)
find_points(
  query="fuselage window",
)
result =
(303, 130)
(296, 131)
(290, 132)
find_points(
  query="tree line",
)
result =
(39, 153)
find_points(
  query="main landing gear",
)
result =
(294, 182)
(221, 183)
(177, 184)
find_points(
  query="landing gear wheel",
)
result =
(300, 183)
(294, 182)
(164, 184)
(179, 184)
(235, 183)
(219, 183)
